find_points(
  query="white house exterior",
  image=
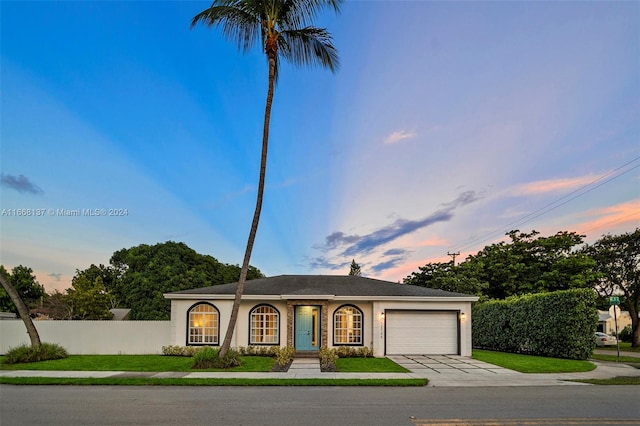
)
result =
(310, 311)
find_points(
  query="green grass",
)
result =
(624, 346)
(142, 363)
(614, 358)
(146, 381)
(368, 365)
(614, 381)
(532, 364)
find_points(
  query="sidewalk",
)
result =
(442, 371)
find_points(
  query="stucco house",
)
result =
(311, 311)
(607, 324)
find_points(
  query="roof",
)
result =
(325, 286)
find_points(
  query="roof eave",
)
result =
(200, 296)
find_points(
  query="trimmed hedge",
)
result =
(560, 324)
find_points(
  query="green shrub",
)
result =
(328, 358)
(27, 353)
(256, 350)
(354, 352)
(180, 350)
(285, 355)
(625, 334)
(365, 352)
(560, 324)
(209, 357)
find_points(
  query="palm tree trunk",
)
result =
(256, 215)
(22, 310)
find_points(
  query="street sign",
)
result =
(614, 311)
(614, 300)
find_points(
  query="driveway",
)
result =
(459, 371)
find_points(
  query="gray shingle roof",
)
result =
(317, 285)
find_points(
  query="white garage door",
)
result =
(422, 333)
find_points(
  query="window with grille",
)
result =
(203, 325)
(347, 326)
(265, 325)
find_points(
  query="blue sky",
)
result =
(447, 125)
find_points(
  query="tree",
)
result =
(355, 269)
(285, 33)
(446, 276)
(617, 260)
(12, 292)
(528, 264)
(24, 281)
(139, 276)
(88, 298)
(533, 264)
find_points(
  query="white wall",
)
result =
(92, 337)
(373, 333)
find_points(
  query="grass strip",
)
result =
(140, 363)
(368, 365)
(531, 363)
(624, 380)
(614, 358)
(148, 381)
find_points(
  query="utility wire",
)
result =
(554, 205)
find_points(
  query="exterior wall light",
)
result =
(463, 315)
(382, 316)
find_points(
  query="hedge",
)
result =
(560, 324)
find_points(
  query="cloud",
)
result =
(359, 245)
(554, 185)
(388, 264)
(55, 276)
(21, 184)
(395, 252)
(624, 215)
(322, 262)
(398, 136)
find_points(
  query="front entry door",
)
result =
(307, 320)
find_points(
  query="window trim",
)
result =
(217, 326)
(348, 305)
(277, 311)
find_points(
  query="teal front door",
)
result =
(307, 320)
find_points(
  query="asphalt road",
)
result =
(122, 405)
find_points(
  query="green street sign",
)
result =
(614, 300)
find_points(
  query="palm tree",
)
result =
(22, 310)
(284, 31)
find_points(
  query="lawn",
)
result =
(624, 346)
(366, 365)
(142, 363)
(532, 364)
(142, 381)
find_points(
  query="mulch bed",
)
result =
(281, 369)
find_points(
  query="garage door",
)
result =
(422, 332)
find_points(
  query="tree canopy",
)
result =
(24, 282)
(529, 263)
(355, 269)
(617, 259)
(145, 272)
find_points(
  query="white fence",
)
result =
(92, 337)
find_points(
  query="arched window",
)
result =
(347, 326)
(264, 326)
(203, 325)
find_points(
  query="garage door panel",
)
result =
(422, 333)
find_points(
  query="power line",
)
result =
(555, 204)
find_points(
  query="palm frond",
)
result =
(295, 14)
(236, 22)
(309, 46)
